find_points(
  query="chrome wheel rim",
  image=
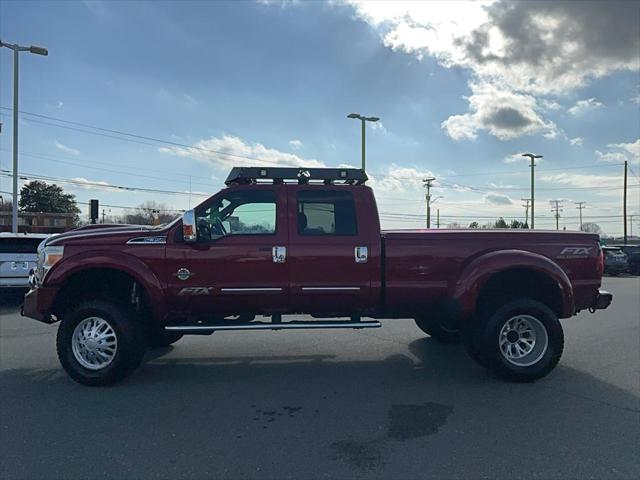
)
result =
(94, 343)
(523, 340)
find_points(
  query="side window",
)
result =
(326, 213)
(238, 213)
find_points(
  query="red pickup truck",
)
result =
(281, 241)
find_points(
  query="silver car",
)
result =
(18, 254)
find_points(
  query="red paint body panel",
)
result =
(407, 273)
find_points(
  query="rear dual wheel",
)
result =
(521, 340)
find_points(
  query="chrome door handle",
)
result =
(361, 254)
(279, 254)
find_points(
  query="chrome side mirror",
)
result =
(189, 231)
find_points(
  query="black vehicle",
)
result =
(615, 261)
(633, 257)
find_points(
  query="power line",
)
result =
(246, 157)
(133, 136)
(47, 157)
(103, 186)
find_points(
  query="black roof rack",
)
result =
(327, 176)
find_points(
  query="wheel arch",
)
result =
(94, 274)
(514, 273)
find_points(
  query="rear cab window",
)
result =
(326, 213)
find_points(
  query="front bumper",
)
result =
(602, 301)
(38, 304)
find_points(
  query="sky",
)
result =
(165, 97)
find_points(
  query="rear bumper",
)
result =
(602, 301)
(38, 303)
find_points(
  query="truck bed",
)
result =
(424, 267)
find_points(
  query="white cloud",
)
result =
(614, 157)
(229, 151)
(86, 184)
(576, 142)
(498, 199)
(379, 127)
(504, 114)
(633, 148)
(519, 47)
(583, 106)
(540, 47)
(295, 144)
(400, 179)
(583, 180)
(550, 105)
(621, 152)
(65, 149)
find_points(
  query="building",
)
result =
(38, 222)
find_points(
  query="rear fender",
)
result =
(476, 274)
(129, 264)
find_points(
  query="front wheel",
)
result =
(100, 343)
(521, 341)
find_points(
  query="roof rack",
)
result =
(326, 176)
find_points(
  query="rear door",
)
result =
(329, 268)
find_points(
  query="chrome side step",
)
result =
(272, 326)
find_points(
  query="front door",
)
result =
(238, 264)
(330, 272)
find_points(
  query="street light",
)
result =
(16, 51)
(532, 157)
(363, 119)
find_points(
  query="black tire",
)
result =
(159, 338)
(435, 328)
(470, 335)
(542, 358)
(130, 336)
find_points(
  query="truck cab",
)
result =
(278, 248)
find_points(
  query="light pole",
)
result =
(532, 157)
(363, 119)
(16, 52)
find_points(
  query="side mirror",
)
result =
(189, 226)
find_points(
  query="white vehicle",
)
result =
(18, 254)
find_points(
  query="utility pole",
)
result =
(557, 209)
(16, 52)
(363, 119)
(526, 210)
(532, 157)
(438, 218)
(427, 184)
(580, 206)
(624, 201)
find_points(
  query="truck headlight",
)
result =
(47, 258)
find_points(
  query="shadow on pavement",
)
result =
(345, 418)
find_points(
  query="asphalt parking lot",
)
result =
(385, 403)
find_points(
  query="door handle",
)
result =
(279, 254)
(361, 254)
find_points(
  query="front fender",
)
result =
(126, 263)
(475, 275)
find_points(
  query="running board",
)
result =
(272, 326)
